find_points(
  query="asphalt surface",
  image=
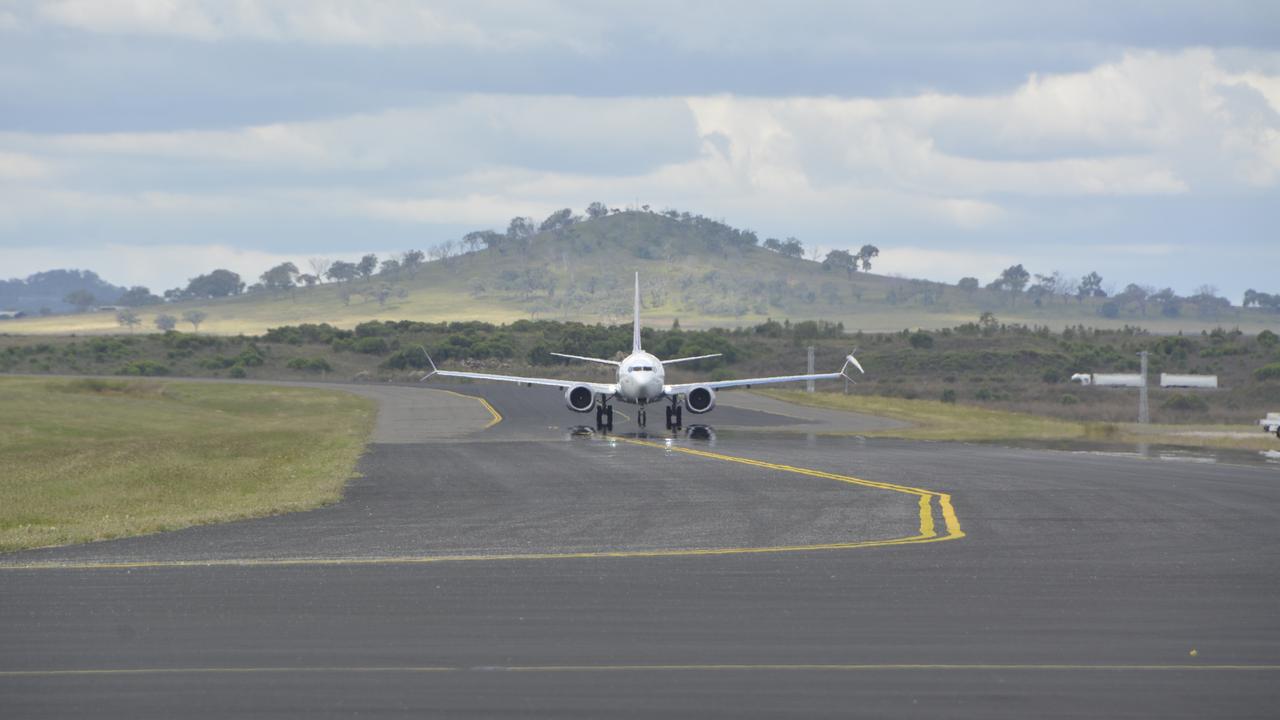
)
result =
(525, 570)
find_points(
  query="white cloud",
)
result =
(21, 166)
(935, 264)
(493, 27)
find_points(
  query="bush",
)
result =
(1052, 377)
(1186, 403)
(921, 340)
(1266, 338)
(146, 368)
(407, 358)
(237, 371)
(371, 345)
(1268, 372)
(250, 357)
(1069, 399)
(949, 396)
(310, 364)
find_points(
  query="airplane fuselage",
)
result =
(640, 379)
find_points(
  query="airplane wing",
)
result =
(748, 382)
(604, 388)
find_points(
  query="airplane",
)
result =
(641, 382)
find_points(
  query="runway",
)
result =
(518, 568)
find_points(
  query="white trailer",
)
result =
(1117, 380)
(1271, 423)
(1169, 380)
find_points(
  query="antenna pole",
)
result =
(809, 383)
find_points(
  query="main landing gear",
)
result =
(674, 416)
(604, 417)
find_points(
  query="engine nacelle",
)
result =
(700, 400)
(579, 398)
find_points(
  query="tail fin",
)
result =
(635, 334)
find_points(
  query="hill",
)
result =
(701, 271)
(47, 291)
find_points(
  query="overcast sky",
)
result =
(151, 140)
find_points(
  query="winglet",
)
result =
(429, 361)
(635, 331)
(851, 360)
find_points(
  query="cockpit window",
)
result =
(640, 368)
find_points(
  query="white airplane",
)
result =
(640, 382)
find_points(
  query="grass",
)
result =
(92, 459)
(934, 420)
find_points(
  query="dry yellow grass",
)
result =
(92, 459)
(934, 420)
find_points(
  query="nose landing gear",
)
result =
(604, 417)
(640, 417)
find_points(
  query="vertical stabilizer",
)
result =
(635, 332)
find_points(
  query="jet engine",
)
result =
(700, 400)
(579, 398)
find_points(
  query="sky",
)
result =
(153, 140)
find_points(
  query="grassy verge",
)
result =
(933, 420)
(93, 459)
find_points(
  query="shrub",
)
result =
(237, 371)
(984, 394)
(1052, 376)
(371, 345)
(1186, 403)
(315, 364)
(921, 340)
(147, 368)
(1069, 399)
(949, 396)
(1268, 372)
(1266, 338)
(407, 358)
(250, 356)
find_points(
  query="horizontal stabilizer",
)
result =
(588, 359)
(690, 359)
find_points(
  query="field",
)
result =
(935, 420)
(696, 270)
(92, 459)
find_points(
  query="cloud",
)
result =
(937, 264)
(486, 26)
(20, 166)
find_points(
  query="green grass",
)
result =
(91, 459)
(934, 420)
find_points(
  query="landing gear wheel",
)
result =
(640, 419)
(608, 418)
(670, 414)
(604, 418)
(678, 422)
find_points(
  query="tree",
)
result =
(1014, 278)
(166, 322)
(597, 210)
(195, 317)
(280, 278)
(342, 271)
(1090, 287)
(841, 260)
(128, 318)
(521, 228)
(219, 283)
(137, 296)
(308, 279)
(411, 262)
(773, 244)
(866, 254)
(557, 220)
(792, 248)
(390, 268)
(82, 299)
(367, 265)
(319, 267)
(1134, 294)
(968, 285)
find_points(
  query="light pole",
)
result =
(1144, 416)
